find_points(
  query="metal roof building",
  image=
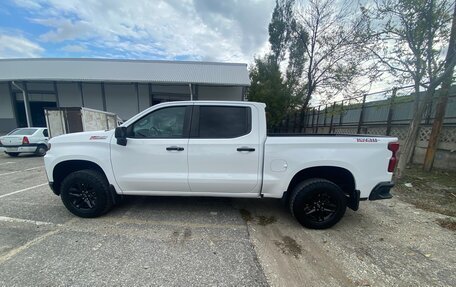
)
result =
(124, 87)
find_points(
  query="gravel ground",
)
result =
(208, 241)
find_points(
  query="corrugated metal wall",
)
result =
(124, 99)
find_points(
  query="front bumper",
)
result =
(382, 191)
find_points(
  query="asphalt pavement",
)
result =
(195, 241)
(146, 241)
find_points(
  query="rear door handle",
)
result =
(245, 148)
(178, 148)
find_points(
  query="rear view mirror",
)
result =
(121, 135)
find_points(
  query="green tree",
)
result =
(281, 91)
(269, 87)
(287, 39)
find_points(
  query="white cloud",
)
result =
(18, 47)
(31, 4)
(230, 30)
(74, 48)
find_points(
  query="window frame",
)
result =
(194, 128)
(186, 128)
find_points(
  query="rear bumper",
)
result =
(382, 191)
(20, 148)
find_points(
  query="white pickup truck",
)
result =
(215, 148)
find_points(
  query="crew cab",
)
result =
(25, 140)
(215, 148)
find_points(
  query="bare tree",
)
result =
(410, 37)
(332, 34)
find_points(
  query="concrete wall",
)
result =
(121, 98)
(444, 159)
(220, 93)
(93, 97)
(144, 98)
(40, 86)
(7, 120)
(69, 94)
(6, 109)
(171, 89)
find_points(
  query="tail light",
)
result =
(393, 147)
(25, 140)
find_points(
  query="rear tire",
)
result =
(85, 193)
(317, 203)
(41, 150)
(12, 154)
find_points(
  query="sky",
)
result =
(201, 30)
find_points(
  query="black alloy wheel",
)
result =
(321, 207)
(86, 193)
(82, 196)
(318, 203)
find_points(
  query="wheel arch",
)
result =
(64, 168)
(339, 175)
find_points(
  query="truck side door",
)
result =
(155, 157)
(224, 150)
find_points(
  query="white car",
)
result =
(26, 140)
(215, 148)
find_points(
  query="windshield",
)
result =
(24, 132)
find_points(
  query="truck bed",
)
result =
(366, 157)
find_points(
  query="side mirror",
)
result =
(121, 135)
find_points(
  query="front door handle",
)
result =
(245, 148)
(178, 148)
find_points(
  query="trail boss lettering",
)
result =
(366, 140)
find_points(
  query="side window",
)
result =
(163, 123)
(45, 133)
(224, 121)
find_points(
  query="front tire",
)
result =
(318, 203)
(85, 193)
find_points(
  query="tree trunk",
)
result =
(443, 99)
(437, 126)
(406, 151)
